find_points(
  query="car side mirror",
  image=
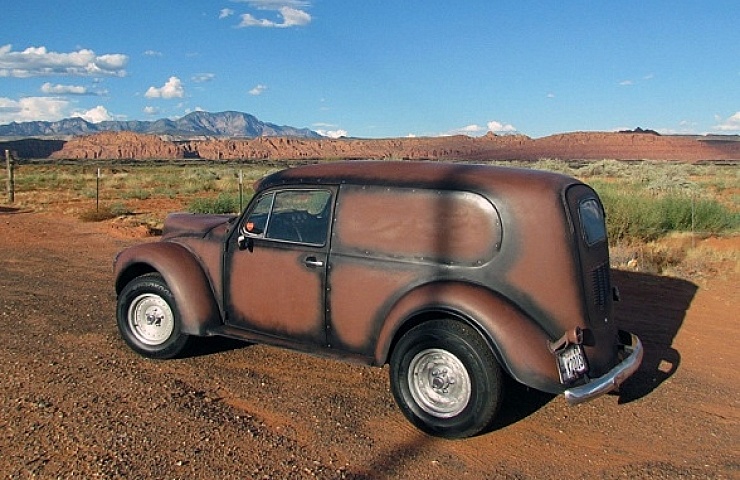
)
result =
(245, 242)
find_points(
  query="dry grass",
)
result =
(681, 255)
(647, 203)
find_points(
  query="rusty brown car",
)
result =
(455, 275)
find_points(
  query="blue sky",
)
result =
(380, 68)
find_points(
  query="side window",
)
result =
(256, 224)
(592, 220)
(300, 216)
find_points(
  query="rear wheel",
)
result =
(148, 318)
(446, 379)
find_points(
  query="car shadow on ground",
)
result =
(654, 308)
(519, 402)
(204, 346)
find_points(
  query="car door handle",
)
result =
(313, 262)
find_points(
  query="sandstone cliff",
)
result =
(570, 146)
(118, 146)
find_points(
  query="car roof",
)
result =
(414, 174)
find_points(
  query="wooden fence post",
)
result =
(97, 191)
(11, 180)
(241, 190)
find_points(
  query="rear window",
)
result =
(592, 221)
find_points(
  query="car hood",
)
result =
(192, 224)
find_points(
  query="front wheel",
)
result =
(148, 318)
(446, 379)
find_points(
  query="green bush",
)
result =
(138, 194)
(632, 215)
(104, 213)
(224, 203)
(119, 209)
(712, 216)
(96, 215)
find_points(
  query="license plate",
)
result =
(571, 363)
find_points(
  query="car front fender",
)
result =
(184, 275)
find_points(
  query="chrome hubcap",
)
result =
(439, 383)
(150, 319)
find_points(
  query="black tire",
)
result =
(445, 379)
(148, 318)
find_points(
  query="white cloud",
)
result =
(32, 109)
(332, 133)
(187, 110)
(466, 130)
(258, 90)
(630, 82)
(39, 62)
(730, 124)
(471, 129)
(151, 110)
(685, 127)
(474, 129)
(46, 109)
(276, 4)
(329, 130)
(203, 77)
(63, 89)
(248, 20)
(498, 127)
(172, 89)
(94, 115)
(225, 12)
(291, 17)
(294, 17)
(152, 53)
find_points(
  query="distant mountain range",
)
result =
(221, 124)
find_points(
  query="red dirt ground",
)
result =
(77, 403)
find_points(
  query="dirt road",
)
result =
(77, 403)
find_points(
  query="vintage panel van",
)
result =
(453, 274)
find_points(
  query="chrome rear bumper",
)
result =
(612, 379)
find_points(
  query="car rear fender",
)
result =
(184, 275)
(518, 342)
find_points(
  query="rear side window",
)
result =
(592, 220)
(440, 226)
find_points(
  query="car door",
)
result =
(275, 268)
